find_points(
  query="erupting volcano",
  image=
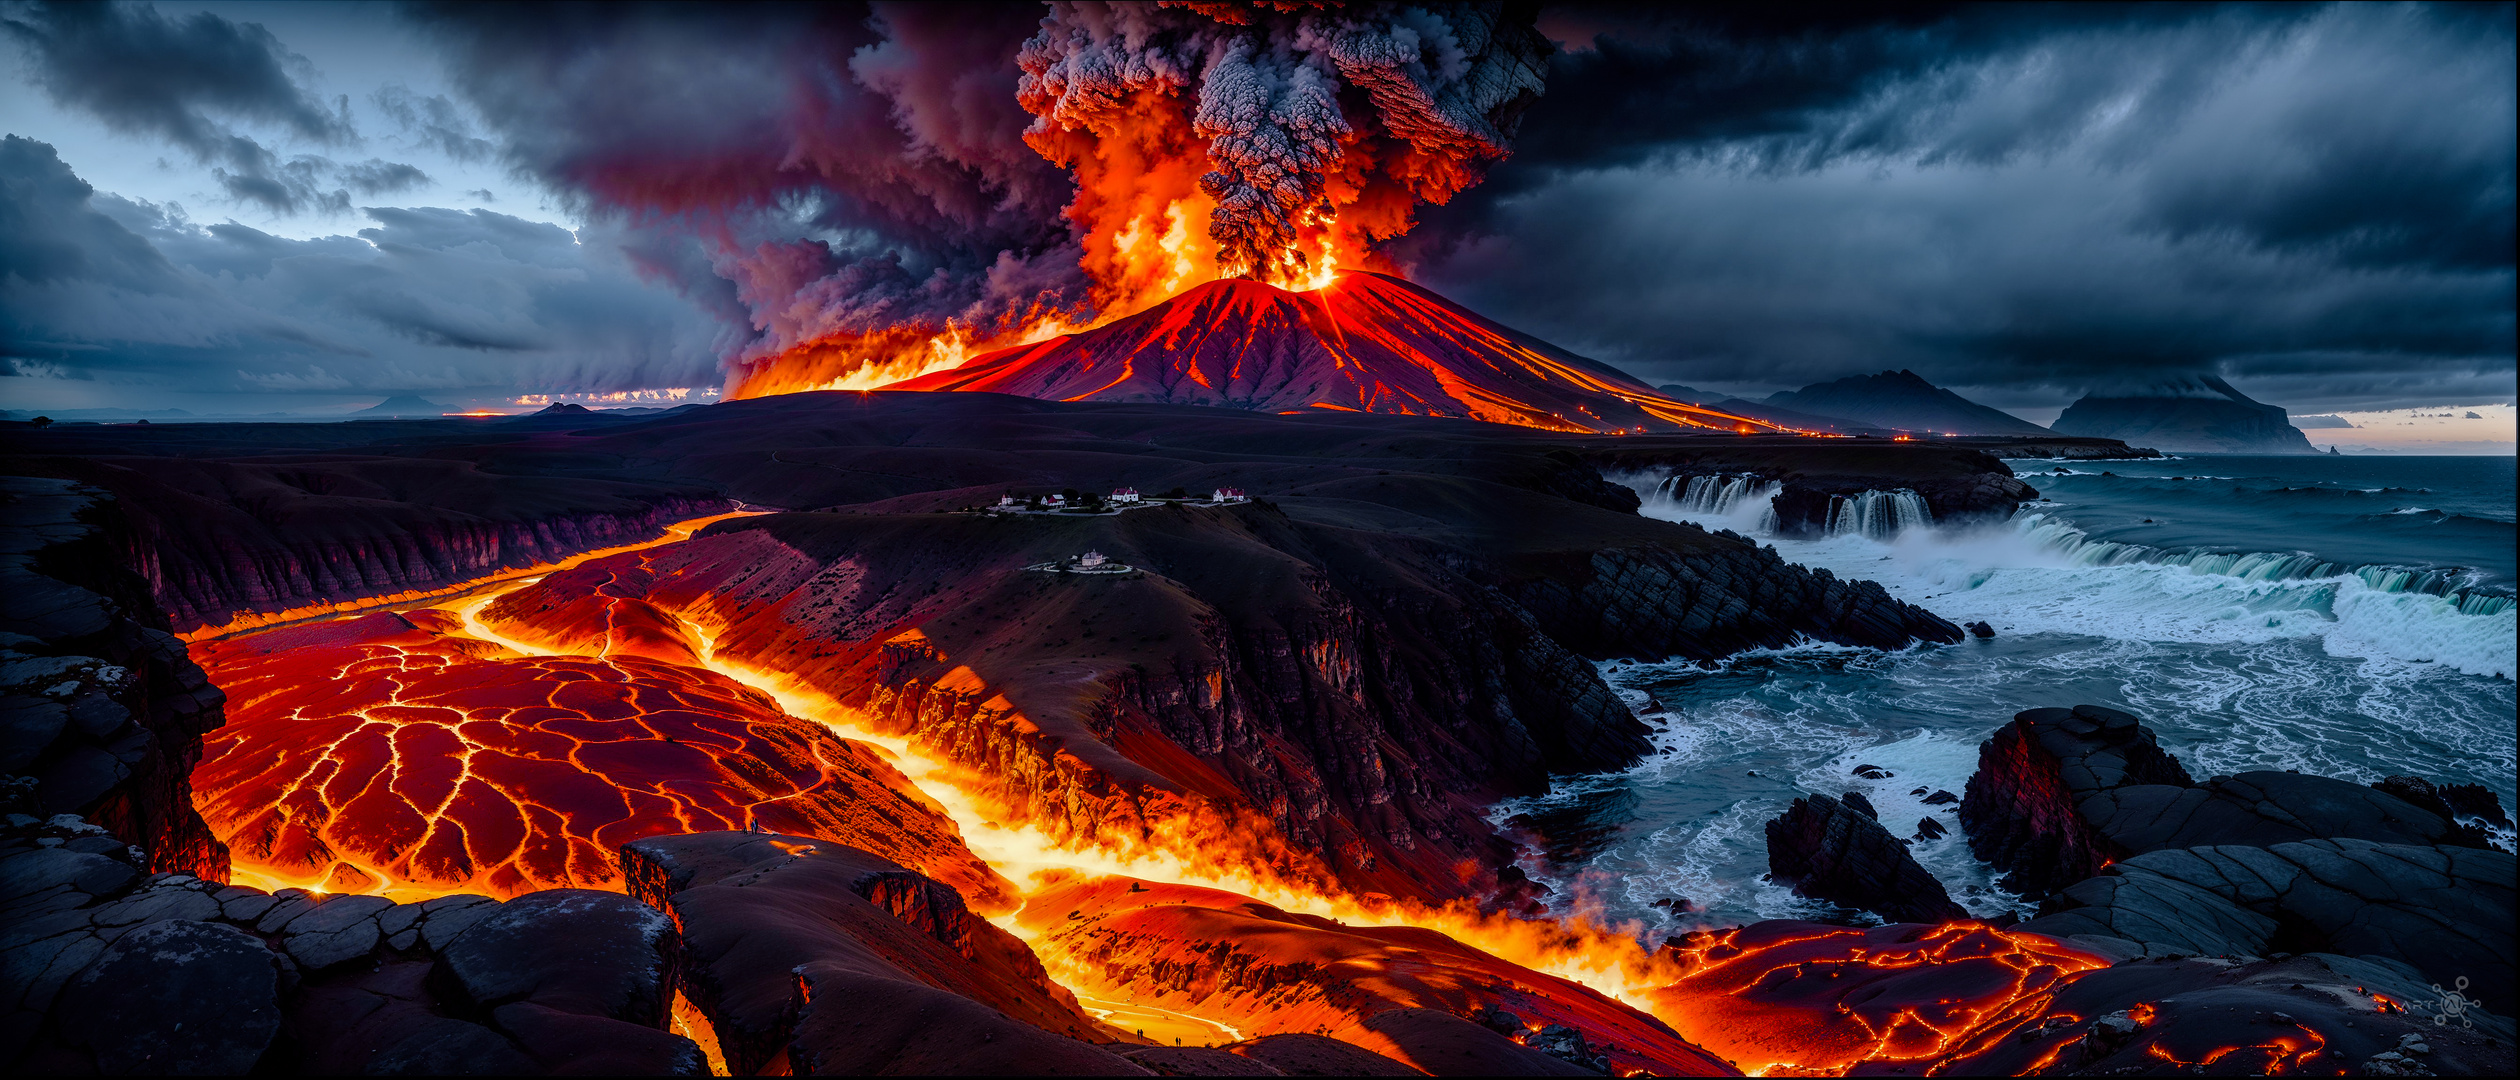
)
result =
(1367, 343)
(1422, 698)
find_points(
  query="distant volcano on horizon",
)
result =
(1370, 343)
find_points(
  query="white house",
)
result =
(1009, 501)
(1231, 495)
(1090, 560)
(1124, 496)
(1054, 500)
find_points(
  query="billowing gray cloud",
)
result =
(189, 81)
(432, 121)
(805, 173)
(2315, 201)
(424, 298)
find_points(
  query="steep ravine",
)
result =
(218, 540)
(1360, 696)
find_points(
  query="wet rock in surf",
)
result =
(1830, 850)
(2247, 865)
(2436, 799)
(2020, 808)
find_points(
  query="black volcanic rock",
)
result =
(579, 951)
(827, 960)
(2143, 860)
(2022, 807)
(1835, 851)
(2312, 1013)
(2472, 800)
(1903, 401)
(118, 971)
(131, 1007)
(2446, 911)
(2201, 414)
(102, 712)
(2260, 809)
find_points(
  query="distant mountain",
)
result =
(404, 405)
(1784, 418)
(1904, 401)
(1370, 343)
(2199, 414)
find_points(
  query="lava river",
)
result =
(458, 748)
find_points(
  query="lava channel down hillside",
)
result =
(1366, 343)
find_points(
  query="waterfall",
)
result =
(2078, 548)
(1743, 501)
(1879, 515)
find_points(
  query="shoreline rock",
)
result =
(1834, 850)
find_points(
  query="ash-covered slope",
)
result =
(1369, 343)
(1903, 400)
(2201, 415)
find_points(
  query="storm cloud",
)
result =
(105, 288)
(2315, 202)
(189, 81)
(806, 172)
(2024, 202)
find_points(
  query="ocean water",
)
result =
(2350, 617)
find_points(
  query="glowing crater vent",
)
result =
(1368, 343)
(386, 754)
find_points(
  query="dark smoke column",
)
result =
(1302, 127)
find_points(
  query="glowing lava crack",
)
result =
(385, 754)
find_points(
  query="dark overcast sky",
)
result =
(296, 204)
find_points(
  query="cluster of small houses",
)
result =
(1119, 497)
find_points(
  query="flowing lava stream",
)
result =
(1697, 990)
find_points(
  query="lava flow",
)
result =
(1370, 343)
(500, 746)
(390, 754)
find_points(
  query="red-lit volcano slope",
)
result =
(1369, 343)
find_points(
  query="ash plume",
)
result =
(1319, 119)
(865, 191)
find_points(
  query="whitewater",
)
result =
(2258, 614)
